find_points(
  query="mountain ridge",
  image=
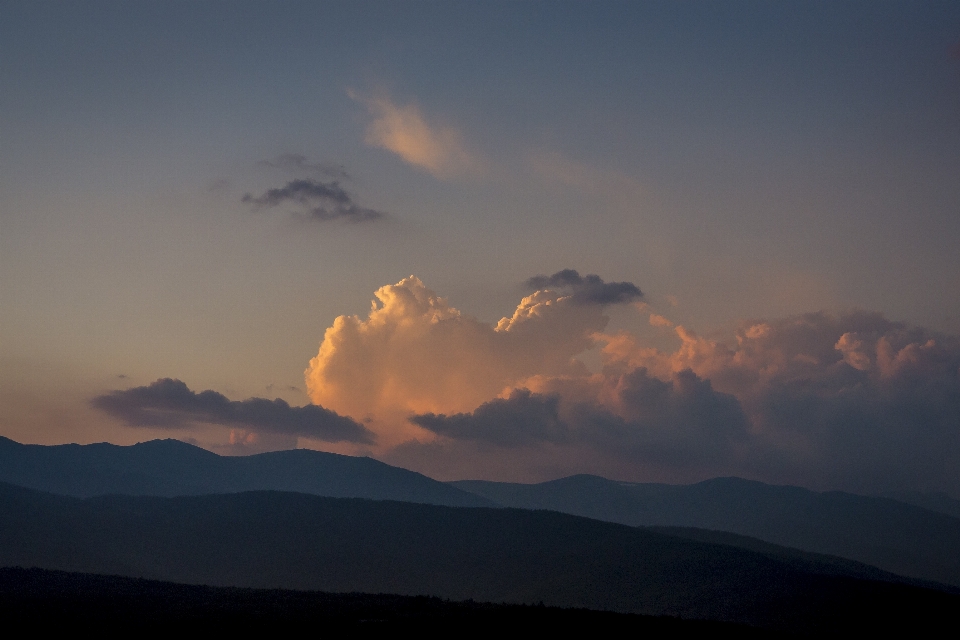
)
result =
(897, 537)
(269, 539)
(171, 467)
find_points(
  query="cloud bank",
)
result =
(321, 201)
(170, 404)
(854, 401)
(681, 422)
(403, 130)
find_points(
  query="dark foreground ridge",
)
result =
(273, 540)
(60, 599)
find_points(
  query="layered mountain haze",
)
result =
(172, 468)
(287, 540)
(895, 536)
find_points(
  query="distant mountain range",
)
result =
(174, 468)
(897, 537)
(292, 540)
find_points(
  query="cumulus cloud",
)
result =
(854, 401)
(300, 163)
(415, 353)
(403, 130)
(588, 289)
(320, 200)
(169, 403)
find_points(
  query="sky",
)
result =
(655, 241)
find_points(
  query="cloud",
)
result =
(298, 162)
(415, 353)
(854, 401)
(404, 131)
(659, 321)
(682, 422)
(321, 201)
(522, 419)
(588, 289)
(170, 404)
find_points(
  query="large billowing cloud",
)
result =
(415, 353)
(854, 401)
(857, 400)
(170, 404)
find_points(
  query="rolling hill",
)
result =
(297, 541)
(897, 537)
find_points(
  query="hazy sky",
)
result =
(198, 191)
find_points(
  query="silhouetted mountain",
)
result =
(934, 501)
(291, 540)
(894, 536)
(80, 601)
(800, 560)
(171, 467)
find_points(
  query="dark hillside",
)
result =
(55, 600)
(896, 537)
(286, 540)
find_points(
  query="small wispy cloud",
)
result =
(321, 201)
(403, 130)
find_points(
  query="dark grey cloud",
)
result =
(169, 403)
(319, 200)
(522, 419)
(298, 162)
(681, 422)
(588, 289)
(856, 401)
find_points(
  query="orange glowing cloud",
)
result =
(415, 353)
(854, 401)
(659, 321)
